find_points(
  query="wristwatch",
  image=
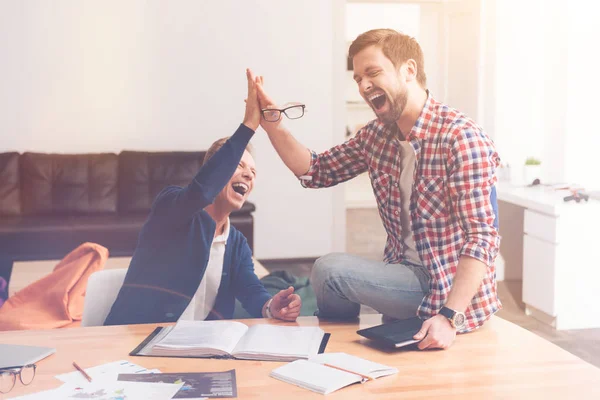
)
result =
(456, 318)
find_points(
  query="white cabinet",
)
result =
(545, 227)
(539, 274)
(561, 262)
(540, 253)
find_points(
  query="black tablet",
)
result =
(394, 334)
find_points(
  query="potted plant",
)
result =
(532, 170)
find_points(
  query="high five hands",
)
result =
(256, 101)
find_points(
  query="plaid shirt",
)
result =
(451, 211)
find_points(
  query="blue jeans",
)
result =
(342, 282)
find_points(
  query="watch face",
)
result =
(459, 320)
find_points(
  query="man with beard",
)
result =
(432, 172)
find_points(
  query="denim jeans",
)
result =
(342, 282)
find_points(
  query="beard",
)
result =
(397, 105)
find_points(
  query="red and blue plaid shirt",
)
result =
(451, 210)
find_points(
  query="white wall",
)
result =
(582, 131)
(529, 99)
(432, 39)
(546, 84)
(462, 56)
(83, 76)
(338, 230)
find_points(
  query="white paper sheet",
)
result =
(106, 390)
(104, 372)
(45, 395)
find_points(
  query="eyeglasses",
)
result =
(8, 376)
(292, 112)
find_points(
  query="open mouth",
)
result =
(240, 188)
(378, 100)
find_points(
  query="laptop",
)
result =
(13, 355)
(394, 334)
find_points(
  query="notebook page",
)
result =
(354, 364)
(281, 342)
(315, 377)
(220, 335)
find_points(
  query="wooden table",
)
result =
(501, 360)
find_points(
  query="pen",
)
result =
(352, 372)
(82, 371)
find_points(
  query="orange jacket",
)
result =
(55, 300)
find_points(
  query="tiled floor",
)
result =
(366, 237)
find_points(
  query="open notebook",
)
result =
(232, 339)
(326, 373)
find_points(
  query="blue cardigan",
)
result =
(174, 246)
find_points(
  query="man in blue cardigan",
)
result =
(190, 263)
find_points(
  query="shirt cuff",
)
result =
(307, 178)
(486, 255)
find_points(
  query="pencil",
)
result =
(352, 372)
(86, 376)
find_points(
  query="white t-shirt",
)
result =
(405, 183)
(204, 299)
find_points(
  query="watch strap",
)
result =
(447, 312)
(268, 308)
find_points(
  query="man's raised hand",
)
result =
(252, 116)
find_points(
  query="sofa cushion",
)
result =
(68, 183)
(142, 175)
(10, 199)
(37, 237)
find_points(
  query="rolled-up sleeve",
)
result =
(336, 165)
(472, 162)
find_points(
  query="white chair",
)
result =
(100, 294)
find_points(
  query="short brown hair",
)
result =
(217, 145)
(396, 46)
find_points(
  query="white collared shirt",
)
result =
(206, 295)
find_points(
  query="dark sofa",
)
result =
(51, 203)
